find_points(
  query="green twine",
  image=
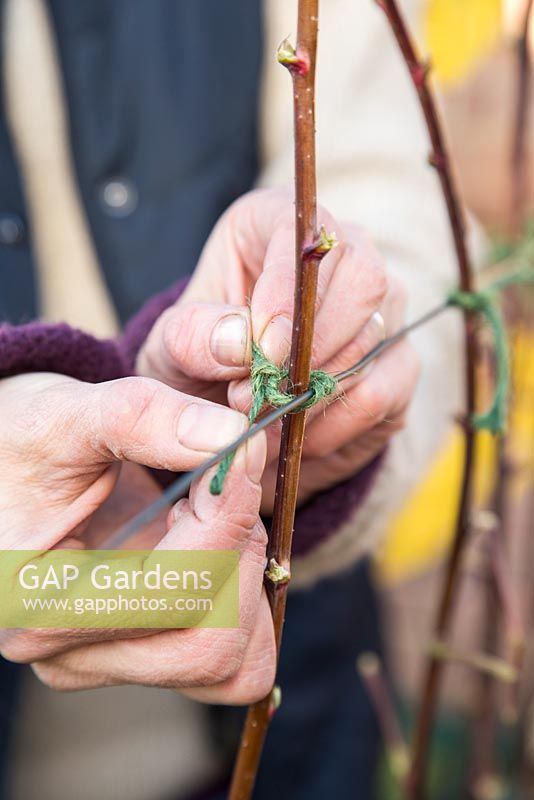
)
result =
(484, 302)
(494, 419)
(266, 381)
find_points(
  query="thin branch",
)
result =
(440, 160)
(484, 767)
(371, 673)
(439, 157)
(484, 663)
(519, 142)
(309, 252)
(509, 604)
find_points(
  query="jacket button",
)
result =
(12, 229)
(119, 197)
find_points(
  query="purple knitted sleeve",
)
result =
(42, 347)
(45, 347)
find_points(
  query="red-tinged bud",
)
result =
(419, 73)
(322, 245)
(437, 161)
(295, 62)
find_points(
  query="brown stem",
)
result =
(484, 769)
(309, 252)
(519, 142)
(514, 624)
(440, 160)
(509, 606)
(487, 776)
(508, 596)
(478, 660)
(503, 597)
(372, 675)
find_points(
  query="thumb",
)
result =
(198, 342)
(144, 421)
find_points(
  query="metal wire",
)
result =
(181, 486)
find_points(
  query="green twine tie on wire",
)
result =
(483, 302)
(266, 379)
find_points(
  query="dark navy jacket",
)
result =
(162, 98)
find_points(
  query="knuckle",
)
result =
(148, 361)
(125, 407)
(179, 337)
(238, 523)
(259, 537)
(249, 534)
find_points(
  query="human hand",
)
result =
(242, 290)
(63, 446)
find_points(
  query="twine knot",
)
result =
(266, 381)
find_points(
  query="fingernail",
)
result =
(252, 458)
(276, 339)
(380, 326)
(209, 428)
(256, 454)
(229, 341)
